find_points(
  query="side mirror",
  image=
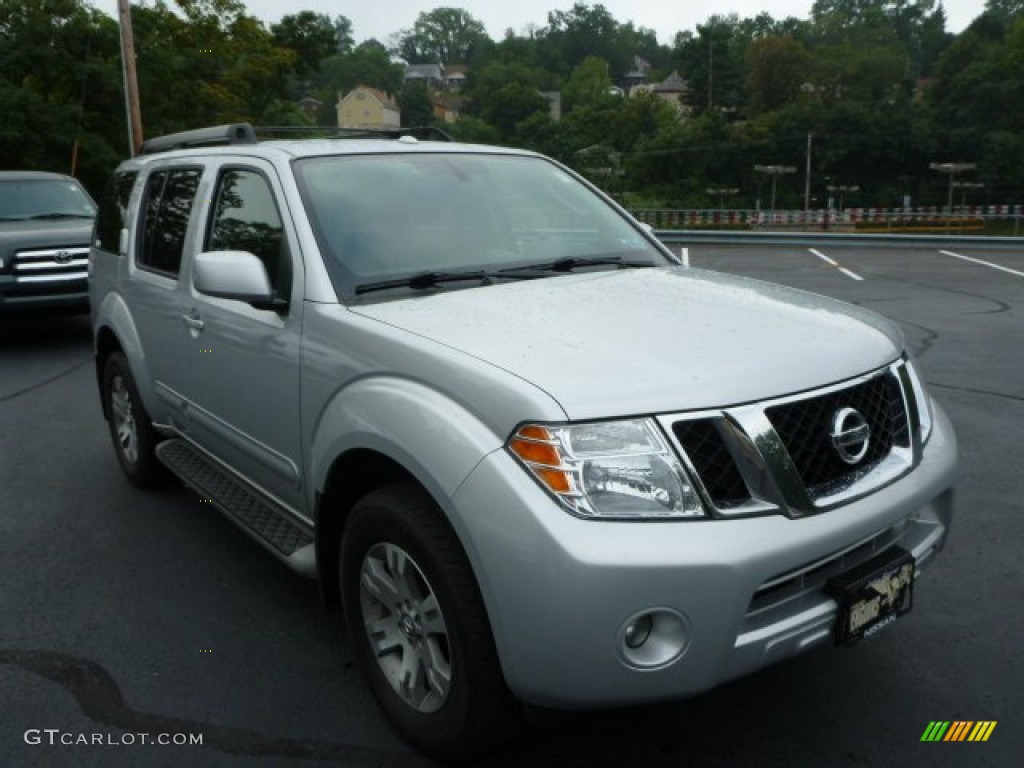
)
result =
(237, 275)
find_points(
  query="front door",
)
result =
(240, 381)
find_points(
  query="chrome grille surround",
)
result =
(774, 471)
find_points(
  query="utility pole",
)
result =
(807, 175)
(131, 83)
(711, 70)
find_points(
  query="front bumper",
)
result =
(560, 590)
(70, 295)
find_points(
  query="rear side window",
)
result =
(113, 211)
(169, 198)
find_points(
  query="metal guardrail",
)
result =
(964, 219)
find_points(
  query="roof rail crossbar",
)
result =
(424, 132)
(218, 135)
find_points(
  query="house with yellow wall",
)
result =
(370, 108)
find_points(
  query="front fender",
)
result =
(434, 438)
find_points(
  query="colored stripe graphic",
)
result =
(959, 730)
(982, 730)
(935, 730)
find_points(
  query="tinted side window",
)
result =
(113, 209)
(245, 218)
(169, 198)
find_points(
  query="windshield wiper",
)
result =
(424, 280)
(570, 263)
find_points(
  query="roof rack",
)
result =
(244, 133)
(424, 132)
(218, 135)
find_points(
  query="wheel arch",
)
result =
(115, 331)
(380, 430)
(106, 343)
(351, 476)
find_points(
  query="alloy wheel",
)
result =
(406, 628)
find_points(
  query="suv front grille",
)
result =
(712, 462)
(50, 267)
(779, 454)
(806, 425)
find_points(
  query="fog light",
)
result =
(638, 630)
(654, 638)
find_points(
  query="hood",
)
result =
(35, 229)
(642, 341)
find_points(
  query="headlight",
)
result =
(608, 470)
(923, 401)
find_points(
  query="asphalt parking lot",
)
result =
(132, 613)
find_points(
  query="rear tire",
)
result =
(418, 627)
(131, 430)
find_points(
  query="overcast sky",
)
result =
(382, 18)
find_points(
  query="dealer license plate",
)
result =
(872, 595)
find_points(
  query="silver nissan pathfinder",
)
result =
(533, 457)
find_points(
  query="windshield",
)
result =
(385, 217)
(43, 198)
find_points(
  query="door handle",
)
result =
(192, 321)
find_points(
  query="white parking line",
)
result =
(823, 257)
(834, 263)
(984, 263)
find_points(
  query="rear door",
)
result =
(153, 289)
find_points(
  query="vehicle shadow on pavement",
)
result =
(100, 699)
(54, 333)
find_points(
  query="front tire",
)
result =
(418, 628)
(130, 428)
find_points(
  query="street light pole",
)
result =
(842, 189)
(952, 169)
(964, 186)
(774, 171)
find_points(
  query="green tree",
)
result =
(443, 35)
(510, 105)
(483, 82)
(312, 36)
(778, 67)
(416, 104)
(213, 66)
(473, 130)
(541, 133)
(1005, 9)
(588, 85)
(60, 83)
(980, 88)
(714, 61)
(640, 117)
(571, 36)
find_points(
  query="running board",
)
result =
(268, 522)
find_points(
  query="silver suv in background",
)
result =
(46, 220)
(533, 457)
